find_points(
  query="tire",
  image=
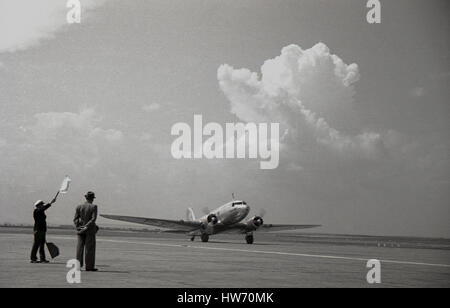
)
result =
(205, 238)
(249, 239)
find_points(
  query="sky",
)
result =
(363, 109)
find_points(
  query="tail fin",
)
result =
(190, 216)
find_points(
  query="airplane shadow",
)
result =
(243, 243)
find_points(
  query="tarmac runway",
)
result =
(130, 259)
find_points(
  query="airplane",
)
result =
(228, 218)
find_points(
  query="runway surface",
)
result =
(139, 259)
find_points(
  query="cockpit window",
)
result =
(238, 203)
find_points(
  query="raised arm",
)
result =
(43, 208)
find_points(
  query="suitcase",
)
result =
(53, 250)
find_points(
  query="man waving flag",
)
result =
(40, 227)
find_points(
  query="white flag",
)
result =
(65, 185)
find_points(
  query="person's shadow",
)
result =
(108, 271)
(100, 270)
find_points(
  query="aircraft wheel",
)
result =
(192, 238)
(205, 238)
(249, 239)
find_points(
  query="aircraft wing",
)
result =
(178, 225)
(273, 227)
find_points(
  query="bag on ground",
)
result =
(53, 250)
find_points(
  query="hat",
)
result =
(90, 195)
(39, 202)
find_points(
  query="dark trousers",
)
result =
(86, 246)
(39, 243)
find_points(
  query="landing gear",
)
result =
(204, 237)
(249, 238)
(192, 238)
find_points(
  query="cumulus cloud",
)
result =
(62, 124)
(310, 93)
(74, 139)
(24, 23)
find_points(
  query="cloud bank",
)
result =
(24, 23)
(71, 141)
(74, 138)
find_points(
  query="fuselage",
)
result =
(230, 213)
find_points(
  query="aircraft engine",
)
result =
(208, 225)
(255, 223)
(212, 218)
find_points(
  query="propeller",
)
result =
(212, 219)
(262, 212)
(258, 221)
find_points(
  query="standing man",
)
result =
(84, 221)
(40, 229)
